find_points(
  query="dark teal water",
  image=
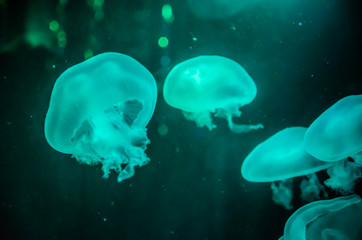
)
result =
(303, 56)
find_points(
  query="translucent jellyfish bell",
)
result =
(208, 84)
(338, 219)
(337, 133)
(99, 110)
(280, 157)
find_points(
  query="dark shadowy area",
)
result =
(192, 188)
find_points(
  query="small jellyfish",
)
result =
(210, 84)
(338, 219)
(280, 157)
(99, 110)
(337, 133)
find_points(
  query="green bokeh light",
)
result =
(54, 26)
(163, 129)
(62, 39)
(167, 13)
(163, 42)
(98, 3)
(88, 54)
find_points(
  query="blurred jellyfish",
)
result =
(208, 84)
(337, 133)
(99, 110)
(217, 9)
(338, 219)
(280, 157)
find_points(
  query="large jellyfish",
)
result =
(99, 110)
(280, 157)
(337, 133)
(208, 84)
(338, 219)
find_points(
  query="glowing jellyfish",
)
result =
(217, 9)
(337, 133)
(99, 110)
(338, 219)
(280, 157)
(208, 84)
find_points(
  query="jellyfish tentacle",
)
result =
(231, 111)
(283, 193)
(202, 119)
(342, 176)
(126, 173)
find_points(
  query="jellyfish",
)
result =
(337, 133)
(280, 157)
(338, 218)
(335, 136)
(99, 110)
(204, 85)
(217, 9)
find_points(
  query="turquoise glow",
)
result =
(208, 84)
(337, 133)
(99, 110)
(280, 157)
(338, 219)
(218, 9)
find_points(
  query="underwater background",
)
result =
(304, 55)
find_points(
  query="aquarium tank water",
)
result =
(180, 119)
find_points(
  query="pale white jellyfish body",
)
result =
(205, 85)
(337, 133)
(338, 219)
(280, 157)
(99, 110)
